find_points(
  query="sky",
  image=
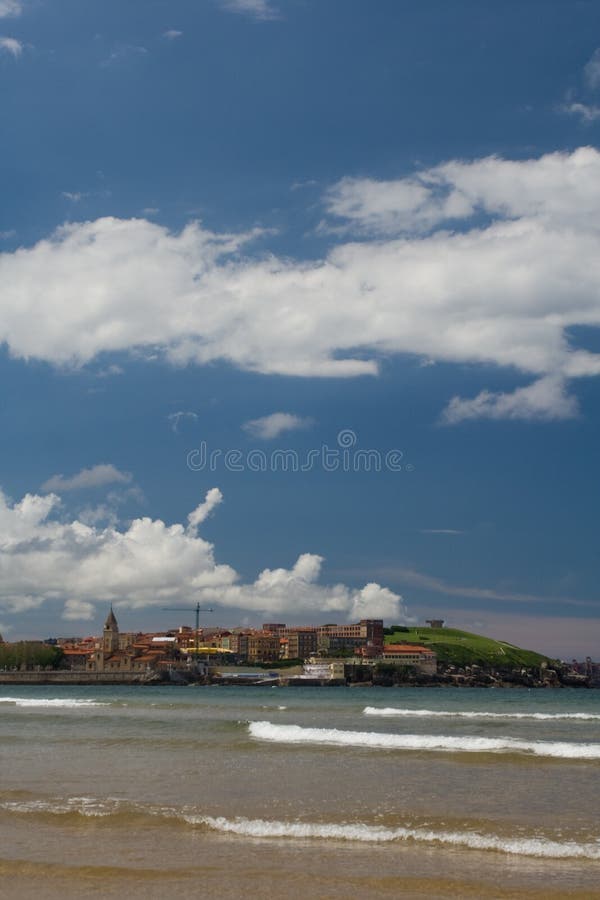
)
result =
(299, 315)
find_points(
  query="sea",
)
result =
(294, 792)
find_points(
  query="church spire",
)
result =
(111, 633)
(111, 621)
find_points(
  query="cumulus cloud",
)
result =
(296, 589)
(268, 427)
(506, 288)
(213, 498)
(11, 45)
(550, 191)
(172, 34)
(153, 564)
(545, 400)
(393, 207)
(96, 476)
(10, 8)
(108, 512)
(256, 9)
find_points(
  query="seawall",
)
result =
(66, 677)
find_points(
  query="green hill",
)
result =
(461, 648)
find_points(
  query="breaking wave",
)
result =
(133, 814)
(60, 702)
(295, 734)
(81, 806)
(474, 714)
(532, 846)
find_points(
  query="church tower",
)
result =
(110, 636)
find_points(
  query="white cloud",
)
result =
(441, 531)
(78, 610)
(73, 196)
(175, 418)
(544, 400)
(505, 292)
(295, 590)
(110, 371)
(574, 105)
(257, 9)
(300, 185)
(11, 45)
(591, 72)
(268, 427)
(153, 564)
(213, 498)
(550, 191)
(587, 112)
(10, 8)
(122, 53)
(107, 512)
(96, 476)
(393, 207)
(172, 34)
(101, 514)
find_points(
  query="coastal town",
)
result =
(364, 652)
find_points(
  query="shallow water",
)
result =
(339, 792)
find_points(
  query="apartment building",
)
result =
(262, 646)
(349, 637)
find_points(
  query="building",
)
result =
(299, 643)
(350, 637)
(421, 658)
(118, 653)
(320, 669)
(263, 646)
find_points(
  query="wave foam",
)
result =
(84, 806)
(295, 734)
(64, 702)
(474, 714)
(532, 846)
(89, 807)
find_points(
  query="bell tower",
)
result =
(110, 635)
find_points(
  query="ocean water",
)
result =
(327, 792)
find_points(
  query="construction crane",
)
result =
(197, 609)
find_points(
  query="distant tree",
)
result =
(29, 654)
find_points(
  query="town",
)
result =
(361, 653)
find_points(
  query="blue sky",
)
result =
(262, 226)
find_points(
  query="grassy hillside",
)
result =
(461, 648)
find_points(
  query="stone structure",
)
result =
(111, 656)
